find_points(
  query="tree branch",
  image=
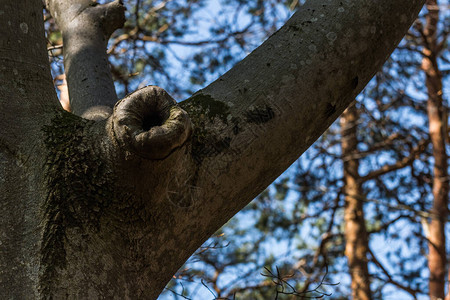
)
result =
(415, 152)
(390, 280)
(257, 119)
(27, 102)
(86, 28)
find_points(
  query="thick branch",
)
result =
(86, 28)
(257, 119)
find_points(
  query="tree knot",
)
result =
(150, 124)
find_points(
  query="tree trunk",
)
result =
(112, 208)
(356, 239)
(437, 116)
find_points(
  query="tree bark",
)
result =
(356, 239)
(437, 117)
(27, 102)
(112, 208)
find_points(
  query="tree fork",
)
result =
(89, 213)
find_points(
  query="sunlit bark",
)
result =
(437, 117)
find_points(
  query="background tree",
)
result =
(437, 122)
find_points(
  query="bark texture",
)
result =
(437, 116)
(356, 239)
(27, 101)
(112, 208)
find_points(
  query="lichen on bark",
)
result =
(204, 110)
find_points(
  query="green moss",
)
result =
(203, 111)
(208, 106)
(79, 188)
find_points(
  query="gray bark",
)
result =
(27, 102)
(112, 208)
